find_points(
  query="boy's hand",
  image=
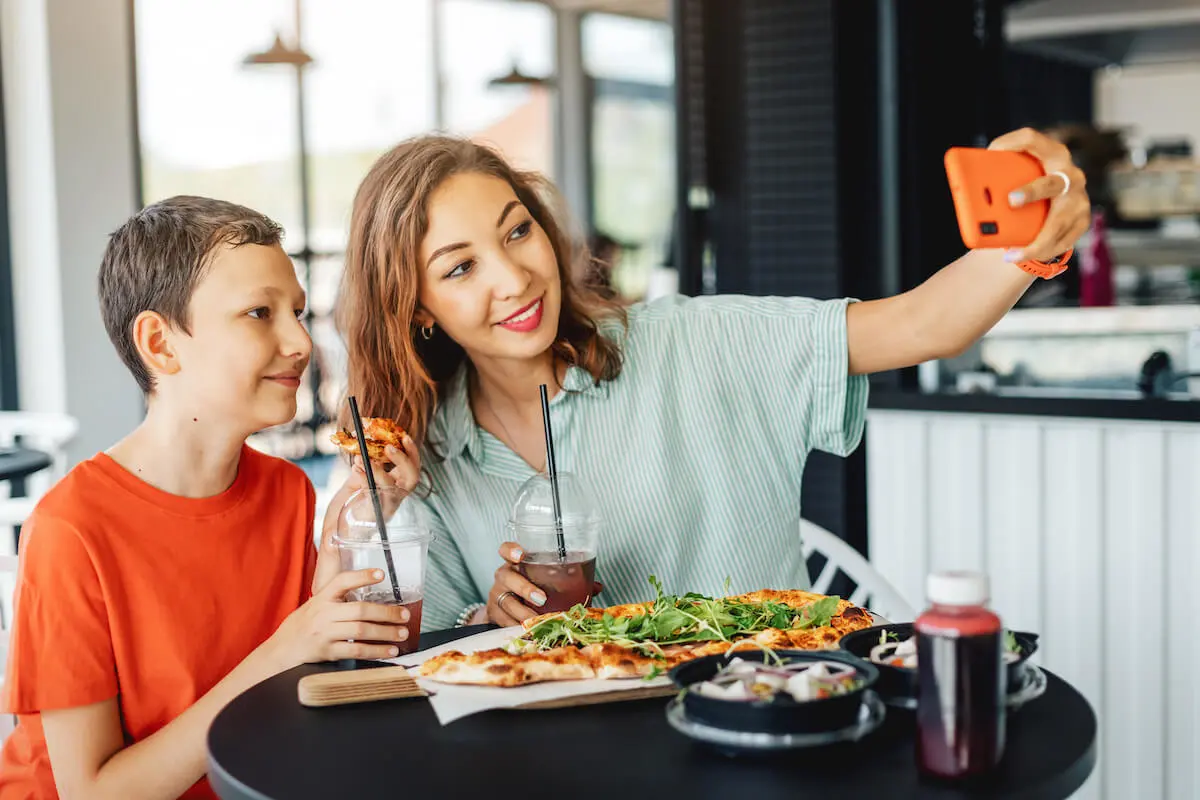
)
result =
(321, 629)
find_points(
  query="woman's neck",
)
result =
(516, 385)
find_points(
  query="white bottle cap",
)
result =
(957, 588)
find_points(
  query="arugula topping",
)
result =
(673, 619)
(1010, 643)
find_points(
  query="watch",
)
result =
(1048, 269)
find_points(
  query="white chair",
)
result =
(43, 431)
(871, 590)
(8, 583)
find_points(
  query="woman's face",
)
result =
(489, 276)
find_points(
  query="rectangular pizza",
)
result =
(645, 639)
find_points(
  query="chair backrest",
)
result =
(8, 583)
(871, 590)
(43, 431)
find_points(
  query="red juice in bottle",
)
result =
(960, 702)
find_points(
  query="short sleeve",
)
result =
(60, 651)
(310, 550)
(448, 585)
(784, 360)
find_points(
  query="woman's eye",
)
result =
(262, 312)
(521, 231)
(460, 269)
(299, 312)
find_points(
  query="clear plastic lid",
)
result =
(404, 520)
(533, 507)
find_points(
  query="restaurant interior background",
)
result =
(758, 146)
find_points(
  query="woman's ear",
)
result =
(422, 318)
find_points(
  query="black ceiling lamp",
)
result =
(279, 53)
(515, 77)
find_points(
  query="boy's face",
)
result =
(241, 363)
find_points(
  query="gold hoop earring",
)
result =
(427, 333)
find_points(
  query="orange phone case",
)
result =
(980, 181)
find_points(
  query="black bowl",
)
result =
(782, 714)
(900, 683)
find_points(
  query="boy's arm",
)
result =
(86, 745)
(90, 760)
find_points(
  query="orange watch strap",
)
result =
(1048, 269)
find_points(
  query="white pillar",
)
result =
(571, 115)
(68, 94)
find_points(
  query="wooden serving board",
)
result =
(357, 686)
(390, 683)
(596, 698)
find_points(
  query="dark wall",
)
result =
(951, 93)
(1046, 92)
(811, 144)
(778, 120)
(8, 347)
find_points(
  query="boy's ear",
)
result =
(152, 336)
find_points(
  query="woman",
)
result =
(689, 418)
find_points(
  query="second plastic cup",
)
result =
(567, 575)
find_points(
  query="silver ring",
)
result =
(504, 594)
(1066, 182)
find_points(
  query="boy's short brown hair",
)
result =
(154, 261)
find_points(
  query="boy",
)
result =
(165, 576)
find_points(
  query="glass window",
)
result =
(628, 49)
(210, 124)
(631, 68)
(370, 86)
(207, 124)
(480, 41)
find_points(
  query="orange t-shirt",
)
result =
(126, 591)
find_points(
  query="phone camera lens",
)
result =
(988, 228)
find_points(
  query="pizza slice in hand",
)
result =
(380, 433)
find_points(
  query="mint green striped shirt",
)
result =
(695, 452)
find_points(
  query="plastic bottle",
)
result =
(960, 665)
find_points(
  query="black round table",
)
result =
(21, 462)
(266, 745)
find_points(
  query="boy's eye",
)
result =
(299, 313)
(262, 312)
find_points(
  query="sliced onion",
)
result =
(726, 691)
(880, 652)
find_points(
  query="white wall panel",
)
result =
(1090, 532)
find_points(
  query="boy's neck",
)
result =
(180, 457)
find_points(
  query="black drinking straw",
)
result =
(362, 449)
(553, 471)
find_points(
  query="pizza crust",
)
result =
(380, 432)
(500, 668)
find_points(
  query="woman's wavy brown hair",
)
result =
(393, 371)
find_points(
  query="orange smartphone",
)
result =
(980, 181)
